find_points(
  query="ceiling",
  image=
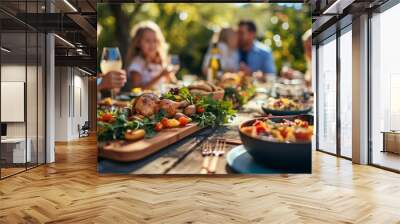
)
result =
(72, 20)
(328, 15)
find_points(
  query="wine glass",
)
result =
(110, 61)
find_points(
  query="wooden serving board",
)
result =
(125, 151)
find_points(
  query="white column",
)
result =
(50, 92)
(360, 90)
(50, 99)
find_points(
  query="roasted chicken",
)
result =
(171, 107)
(190, 110)
(147, 104)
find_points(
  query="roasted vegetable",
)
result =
(133, 135)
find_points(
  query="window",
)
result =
(346, 92)
(22, 77)
(327, 96)
(385, 89)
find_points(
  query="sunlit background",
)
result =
(188, 28)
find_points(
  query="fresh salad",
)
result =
(239, 89)
(149, 114)
(283, 104)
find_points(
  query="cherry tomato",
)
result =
(183, 121)
(200, 110)
(260, 129)
(158, 126)
(164, 122)
(304, 124)
(257, 123)
(107, 117)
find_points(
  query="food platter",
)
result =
(150, 122)
(126, 151)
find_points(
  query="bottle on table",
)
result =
(214, 65)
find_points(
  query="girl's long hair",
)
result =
(137, 34)
(224, 34)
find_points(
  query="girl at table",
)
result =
(147, 58)
(228, 47)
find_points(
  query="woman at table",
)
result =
(147, 58)
(228, 47)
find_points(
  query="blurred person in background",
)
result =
(253, 55)
(228, 48)
(147, 60)
(290, 73)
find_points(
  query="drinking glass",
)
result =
(111, 61)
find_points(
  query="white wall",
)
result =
(16, 73)
(71, 102)
(34, 125)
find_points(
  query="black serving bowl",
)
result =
(294, 157)
(285, 112)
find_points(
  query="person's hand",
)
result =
(290, 73)
(245, 69)
(260, 76)
(169, 73)
(113, 80)
(287, 73)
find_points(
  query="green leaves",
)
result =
(206, 119)
(182, 94)
(186, 95)
(217, 112)
(116, 130)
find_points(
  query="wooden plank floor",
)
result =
(71, 191)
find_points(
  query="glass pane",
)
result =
(327, 96)
(386, 89)
(13, 85)
(346, 94)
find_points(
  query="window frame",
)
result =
(379, 10)
(341, 27)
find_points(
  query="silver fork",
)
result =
(206, 152)
(217, 152)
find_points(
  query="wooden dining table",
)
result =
(185, 156)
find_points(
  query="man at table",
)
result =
(254, 56)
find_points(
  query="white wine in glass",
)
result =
(110, 61)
